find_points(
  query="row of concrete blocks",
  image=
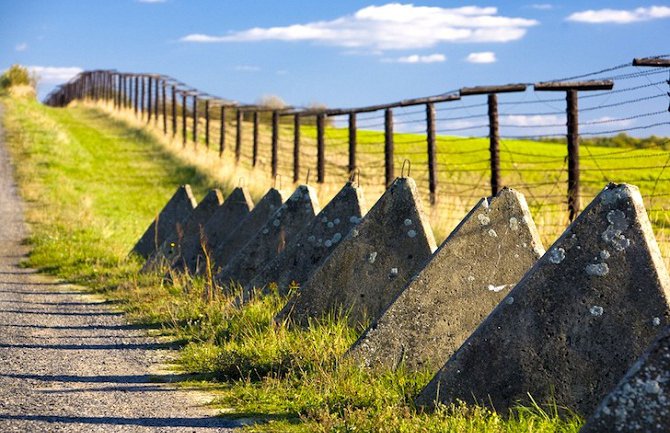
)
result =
(489, 312)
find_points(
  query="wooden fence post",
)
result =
(149, 96)
(320, 148)
(164, 107)
(137, 94)
(430, 144)
(275, 141)
(296, 147)
(157, 99)
(388, 146)
(183, 119)
(352, 142)
(195, 121)
(174, 110)
(494, 142)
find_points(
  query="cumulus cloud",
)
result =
(620, 16)
(393, 26)
(54, 74)
(482, 57)
(417, 58)
(21, 47)
(548, 120)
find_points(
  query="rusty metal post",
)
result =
(174, 111)
(238, 135)
(573, 153)
(296, 147)
(352, 142)
(183, 119)
(222, 137)
(432, 161)
(275, 141)
(195, 121)
(494, 143)
(388, 146)
(254, 150)
(320, 148)
(207, 123)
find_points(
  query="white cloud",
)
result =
(54, 74)
(416, 58)
(483, 57)
(620, 16)
(547, 120)
(21, 47)
(393, 26)
(542, 6)
(247, 68)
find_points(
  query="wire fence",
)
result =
(559, 142)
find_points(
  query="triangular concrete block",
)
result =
(171, 248)
(640, 403)
(474, 268)
(372, 264)
(174, 213)
(576, 321)
(235, 208)
(300, 208)
(247, 229)
(314, 243)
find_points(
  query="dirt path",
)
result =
(68, 361)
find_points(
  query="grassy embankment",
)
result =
(92, 185)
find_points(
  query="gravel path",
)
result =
(68, 362)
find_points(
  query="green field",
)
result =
(103, 179)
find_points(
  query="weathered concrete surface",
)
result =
(300, 208)
(575, 322)
(372, 264)
(314, 243)
(640, 403)
(235, 208)
(246, 230)
(173, 214)
(474, 268)
(171, 248)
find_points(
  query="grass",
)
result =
(102, 179)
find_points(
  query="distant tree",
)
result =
(17, 75)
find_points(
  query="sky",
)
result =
(343, 53)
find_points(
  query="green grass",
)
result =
(93, 184)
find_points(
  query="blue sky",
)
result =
(339, 53)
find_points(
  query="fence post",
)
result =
(352, 142)
(430, 142)
(222, 137)
(494, 142)
(388, 146)
(207, 123)
(254, 150)
(142, 98)
(183, 119)
(238, 134)
(275, 141)
(149, 98)
(156, 88)
(137, 94)
(195, 121)
(296, 147)
(174, 110)
(572, 112)
(321, 148)
(164, 107)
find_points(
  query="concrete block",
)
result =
(640, 403)
(247, 229)
(171, 248)
(235, 208)
(173, 214)
(474, 268)
(575, 322)
(314, 243)
(372, 264)
(300, 208)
